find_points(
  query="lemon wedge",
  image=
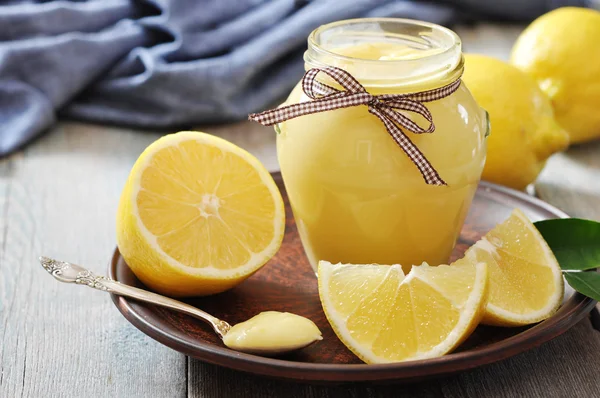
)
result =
(384, 316)
(526, 284)
(198, 215)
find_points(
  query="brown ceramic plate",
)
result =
(287, 283)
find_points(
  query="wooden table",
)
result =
(59, 198)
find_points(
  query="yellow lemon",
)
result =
(383, 316)
(526, 284)
(198, 215)
(560, 50)
(523, 130)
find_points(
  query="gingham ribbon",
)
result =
(387, 107)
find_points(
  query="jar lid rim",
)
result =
(444, 63)
(312, 38)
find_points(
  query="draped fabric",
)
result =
(176, 63)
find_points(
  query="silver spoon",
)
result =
(72, 273)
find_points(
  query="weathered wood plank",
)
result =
(571, 181)
(59, 198)
(489, 39)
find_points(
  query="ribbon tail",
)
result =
(394, 110)
(430, 175)
(268, 118)
(402, 120)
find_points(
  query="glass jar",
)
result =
(356, 196)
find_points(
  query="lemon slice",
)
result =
(526, 284)
(383, 316)
(198, 215)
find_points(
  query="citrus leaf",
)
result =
(574, 242)
(587, 283)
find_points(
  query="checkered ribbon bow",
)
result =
(387, 107)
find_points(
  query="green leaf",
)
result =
(574, 242)
(277, 128)
(587, 283)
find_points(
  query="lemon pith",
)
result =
(198, 215)
(383, 316)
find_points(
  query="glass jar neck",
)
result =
(419, 54)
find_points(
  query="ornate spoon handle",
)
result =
(72, 273)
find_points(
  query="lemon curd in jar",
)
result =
(356, 196)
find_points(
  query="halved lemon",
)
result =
(526, 284)
(383, 316)
(198, 215)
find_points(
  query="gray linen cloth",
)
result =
(175, 63)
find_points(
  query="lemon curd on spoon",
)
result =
(270, 331)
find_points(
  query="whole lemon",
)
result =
(561, 50)
(523, 130)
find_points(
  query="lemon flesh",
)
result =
(198, 215)
(526, 284)
(524, 133)
(560, 51)
(383, 316)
